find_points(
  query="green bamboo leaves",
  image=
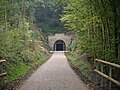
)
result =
(97, 25)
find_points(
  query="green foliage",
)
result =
(96, 23)
(47, 16)
(21, 42)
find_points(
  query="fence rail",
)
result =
(101, 71)
(1, 61)
(109, 63)
(2, 73)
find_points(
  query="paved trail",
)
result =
(55, 74)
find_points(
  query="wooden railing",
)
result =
(101, 72)
(2, 73)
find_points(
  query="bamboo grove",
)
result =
(97, 25)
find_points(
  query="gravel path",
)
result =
(55, 74)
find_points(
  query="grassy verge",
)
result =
(18, 68)
(83, 66)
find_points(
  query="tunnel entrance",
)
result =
(59, 46)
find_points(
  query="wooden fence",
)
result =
(1, 66)
(101, 71)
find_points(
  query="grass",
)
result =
(83, 66)
(20, 68)
(16, 71)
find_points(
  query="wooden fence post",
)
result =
(96, 67)
(101, 77)
(1, 69)
(110, 75)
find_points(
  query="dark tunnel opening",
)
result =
(59, 46)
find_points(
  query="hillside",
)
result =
(22, 42)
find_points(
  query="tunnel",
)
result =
(59, 45)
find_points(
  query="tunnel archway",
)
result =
(59, 45)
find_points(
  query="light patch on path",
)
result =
(55, 74)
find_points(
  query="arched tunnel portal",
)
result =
(59, 42)
(59, 45)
